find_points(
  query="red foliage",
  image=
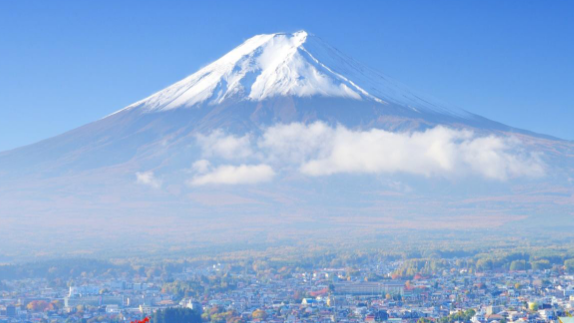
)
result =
(319, 292)
(145, 320)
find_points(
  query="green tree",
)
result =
(176, 315)
(519, 265)
(541, 264)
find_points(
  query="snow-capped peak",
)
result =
(282, 64)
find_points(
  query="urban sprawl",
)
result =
(368, 294)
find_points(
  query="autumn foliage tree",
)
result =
(37, 306)
(259, 314)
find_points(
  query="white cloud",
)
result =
(231, 175)
(501, 158)
(318, 149)
(201, 166)
(219, 144)
(436, 152)
(296, 142)
(148, 179)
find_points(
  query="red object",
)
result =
(146, 320)
(319, 292)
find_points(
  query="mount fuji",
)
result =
(282, 134)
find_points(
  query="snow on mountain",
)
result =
(282, 133)
(268, 80)
(296, 65)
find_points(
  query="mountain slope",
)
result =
(283, 134)
(269, 79)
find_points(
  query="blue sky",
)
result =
(67, 63)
